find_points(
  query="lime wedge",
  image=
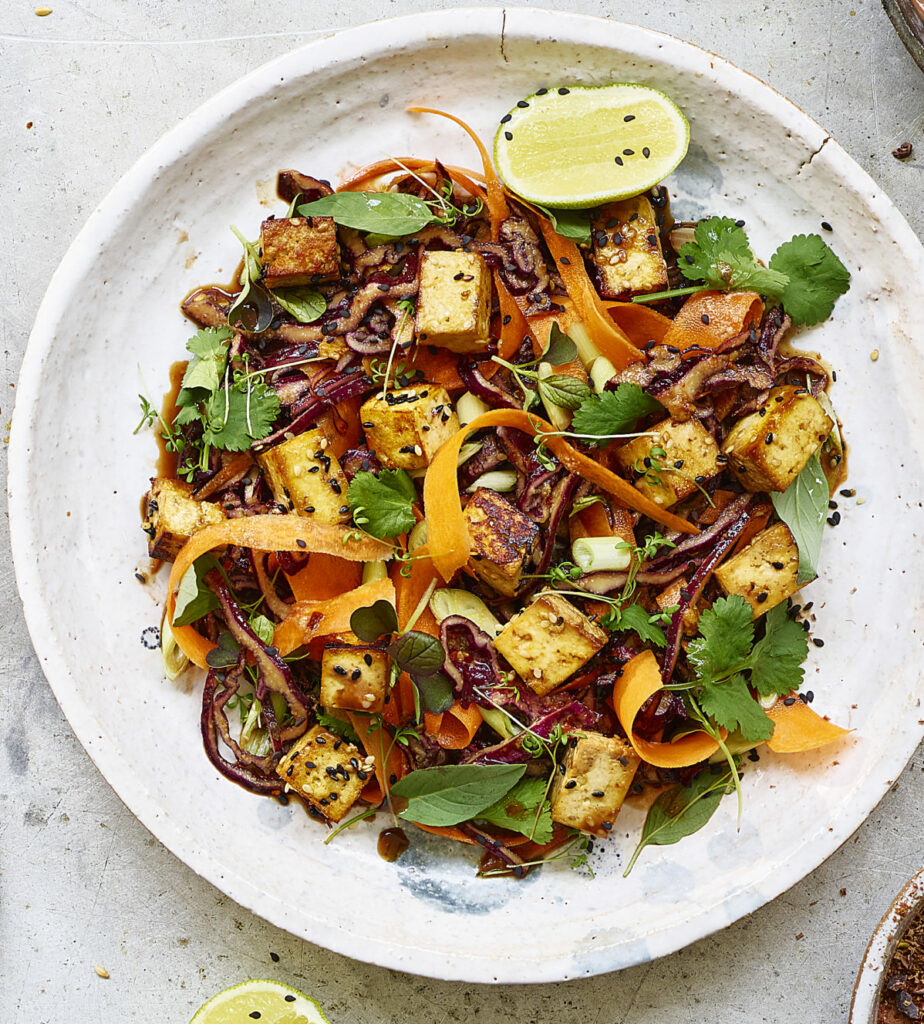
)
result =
(587, 145)
(269, 1002)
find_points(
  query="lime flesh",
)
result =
(269, 1002)
(586, 145)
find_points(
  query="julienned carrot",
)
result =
(309, 619)
(707, 319)
(264, 533)
(640, 323)
(641, 679)
(447, 534)
(453, 729)
(496, 200)
(607, 336)
(796, 727)
(324, 577)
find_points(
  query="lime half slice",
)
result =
(269, 1002)
(586, 145)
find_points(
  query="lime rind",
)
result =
(606, 98)
(221, 1008)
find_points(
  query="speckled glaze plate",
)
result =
(76, 479)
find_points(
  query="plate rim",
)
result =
(317, 53)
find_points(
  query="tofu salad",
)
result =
(486, 514)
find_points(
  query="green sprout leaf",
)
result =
(373, 621)
(418, 653)
(302, 301)
(383, 504)
(560, 349)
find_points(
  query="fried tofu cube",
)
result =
(454, 302)
(549, 641)
(354, 677)
(768, 449)
(305, 478)
(406, 427)
(627, 249)
(299, 250)
(765, 572)
(503, 540)
(327, 771)
(598, 771)
(671, 597)
(173, 515)
(671, 463)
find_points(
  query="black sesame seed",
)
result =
(309, 509)
(808, 696)
(320, 739)
(817, 641)
(383, 288)
(646, 152)
(652, 239)
(789, 701)
(806, 625)
(769, 438)
(628, 152)
(825, 226)
(761, 598)
(619, 160)
(274, 957)
(356, 673)
(255, 1014)
(835, 519)
(508, 136)
(310, 765)
(753, 755)
(458, 277)
(564, 260)
(678, 464)
(570, 784)
(617, 238)
(561, 768)
(290, 998)
(563, 91)
(705, 318)
(392, 779)
(777, 565)
(739, 223)
(629, 117)
(367, 658)
(522, 104)
(598, 793)
(847, 493)
(762, 412)
(335, 487)
(362, 776)
(542, 91)
(300, 542)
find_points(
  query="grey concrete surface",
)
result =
(83, 92)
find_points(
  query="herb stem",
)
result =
(671, 293)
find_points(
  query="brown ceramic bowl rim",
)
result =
(891, 928)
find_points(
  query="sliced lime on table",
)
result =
(586, 145)
(269, 1002)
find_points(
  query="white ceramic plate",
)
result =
(76, 474)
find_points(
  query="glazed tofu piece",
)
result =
(406, 427)
(687, 453)
(549, 641)
(503, 540)
(627, 249)
(172, 516)
(598, 771)
(670, 597)
(454, 302)
(327, 771)
(354, 677)
(768, 449)
(299, 250)
(765, 572)
(305, 478)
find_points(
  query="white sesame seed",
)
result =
(537, 673)
(874, 355)
(101, 971)
(418, 450)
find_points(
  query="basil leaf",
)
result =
(682, 810)
(562, 391)
(371, 622)
(573, 224)
(435, 692)
(418, 653)
(454, 792)
(385, 213)
(560, 349)
(524, 809)
(227, 652)
(301, 301)
(193, 598)
(803, 507)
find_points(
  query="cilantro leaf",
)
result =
(634, 617)
(240, 414)
(730, 705)
(383, 505)
(209, 351)
(721, 257)
(776, 661)
(727, 635)
(517, 810)
(613, 412)
(816, 277)
(803, 507)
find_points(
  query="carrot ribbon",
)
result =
(796, 727)
(707, 319)
(449, 541)
(453, 729)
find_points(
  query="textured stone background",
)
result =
(81, 882)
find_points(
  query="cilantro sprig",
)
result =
(614, 413)
(804, 274)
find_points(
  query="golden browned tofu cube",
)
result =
(327, 771)
(765, 572)
(598, 771)
(454, 302)
(503, 540)
(172, 516)
(671, 597)
(627, 249)
(354, 677)
(406, 427)
(299, 250)
(305, 477)
(671, 463)
(549, 641)
(768, 449)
